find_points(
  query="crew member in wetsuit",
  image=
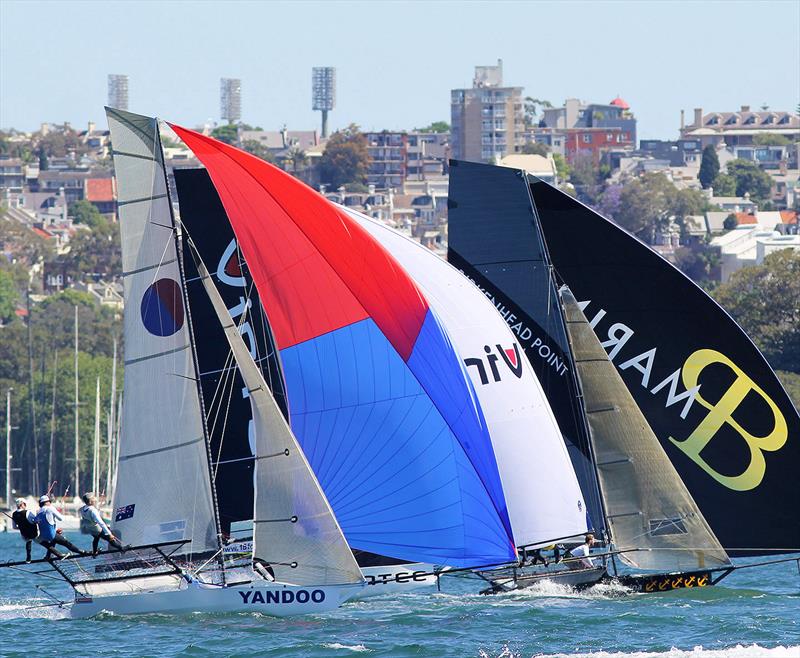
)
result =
(92, 524)
(49, 536)
(25, 521)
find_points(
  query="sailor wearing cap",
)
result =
(25, 521)
(49, 535)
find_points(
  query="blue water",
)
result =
(754, 612)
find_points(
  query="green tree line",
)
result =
(42, 388)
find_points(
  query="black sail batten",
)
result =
(735, 442)
(494, 240)
(206, 223)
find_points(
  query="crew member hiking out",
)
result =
(25, 521)
(582, 552)
(92, 524)
(49, 536)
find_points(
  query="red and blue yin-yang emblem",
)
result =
(162, 308)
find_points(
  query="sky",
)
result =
(396, 61)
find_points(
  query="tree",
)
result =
(709, 166)
(345, 159)
(533, 148)
(96, 251)
(587, 178)
(8, 297)
(791, 382)
(771, 139)
(532, 106)
(435, 127)
(765, 300)
(697, 260)
(562, 168)
(644, 205)
(86, 213)
(730, 222)
(296, 156)
(750, 179)
(229, 133)
(724, 185)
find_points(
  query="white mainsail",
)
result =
(163, 488)
(650, 511)
(541, 490)
(294, 528)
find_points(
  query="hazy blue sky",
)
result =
(396, 61)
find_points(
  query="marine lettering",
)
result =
(302, 596)
(317, 596)
(287, 596)
(721, 414)
(258, 597)
(672, 398)
(273, 596)
(245, 596)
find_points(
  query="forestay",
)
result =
(531, 455)
(294, 529)
(649, 510)
(163, 490)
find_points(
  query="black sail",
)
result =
(493, 239)
(735, 440)
(711, 398)
(224, 393)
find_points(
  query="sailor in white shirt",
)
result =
(583, 551)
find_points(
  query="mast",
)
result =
(31, 392)
(8, 448)
(176, 235)
(52, 422)
(111, 420)
(584, 421)
(96, 453)
(77, 471)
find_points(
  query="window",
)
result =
(587, 138)
(609, 137)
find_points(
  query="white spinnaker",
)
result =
(163, 490)
(294, 528)
(541, 490)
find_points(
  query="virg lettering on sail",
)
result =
(719, 414)
(509, 355)
(282, 596)
(523, 331)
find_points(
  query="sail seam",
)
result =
(157, 450)
(157, 354)
(134, 155)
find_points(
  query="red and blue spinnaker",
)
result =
(378, 397)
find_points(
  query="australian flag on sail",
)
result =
(123, 513)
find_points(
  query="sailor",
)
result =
(92, 524)
(582, 552)
(25, 521)
(49, 536)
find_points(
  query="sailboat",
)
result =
(524, 436)
(541, 235)
(164, 496)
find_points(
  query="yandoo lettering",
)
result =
(269, 596)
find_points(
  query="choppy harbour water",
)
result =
(754, 612)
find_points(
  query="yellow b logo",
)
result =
(721, 413)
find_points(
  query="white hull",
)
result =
(396, 579)
(275, 600)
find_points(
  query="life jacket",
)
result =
(28, 529)
(47, 530)
(88, 525)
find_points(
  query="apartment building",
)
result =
(487, 121)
